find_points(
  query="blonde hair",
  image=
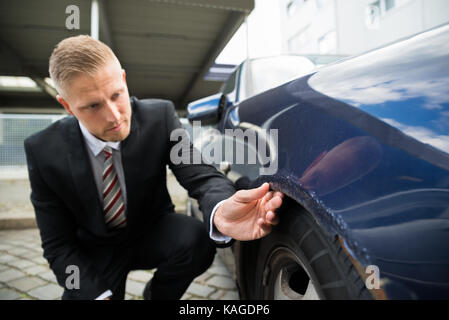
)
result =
(76, 55)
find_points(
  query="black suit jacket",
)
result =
(68, 211)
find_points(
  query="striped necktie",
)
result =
(113, 204)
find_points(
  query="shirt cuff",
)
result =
(214, 234)
(105, 295)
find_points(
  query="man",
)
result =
(99, 190)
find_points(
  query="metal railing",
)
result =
(14, 129)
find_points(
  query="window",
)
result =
(389, 4)
(229, 85)
(380, 8)
(328, 43)
(322, 3)
(266, 73)
(372, 19)
(383, 6)
(293, 6)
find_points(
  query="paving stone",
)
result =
(17, 251)
(21, 263)
(13, 243)
(26, 253)
(221, 270)
(36, 270)
(40, 260)
(134, 287)
(7, 258)
(140, 275)
(197, 298)
(49, 275)
(199, 290)
(186, 296)
(33, 255)
(10, 274)
(48, 292)
(221, 282)
(5, 247)
(201, 279)
(217, 294)
(8, 294)
(26, 246)
(36, 249)
(26, 283)
(230, 295)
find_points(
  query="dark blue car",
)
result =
(361, 151)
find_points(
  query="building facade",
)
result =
(350, 27)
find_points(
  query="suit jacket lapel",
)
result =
(84, 181)
(130, 159)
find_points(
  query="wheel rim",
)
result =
(287, 278)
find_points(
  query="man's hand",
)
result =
(249, 214)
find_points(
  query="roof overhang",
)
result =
(165, 46)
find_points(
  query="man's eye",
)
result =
(115, 96)
(93, 106)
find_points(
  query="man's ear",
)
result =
(124, 75)
(64, 104)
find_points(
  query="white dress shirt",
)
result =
(96, 158)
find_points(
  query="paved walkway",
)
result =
(25, 274)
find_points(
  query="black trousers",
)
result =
(178, 246)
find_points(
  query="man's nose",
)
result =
(113, 114)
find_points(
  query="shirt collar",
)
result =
(96, 145)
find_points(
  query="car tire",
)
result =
(298, 261)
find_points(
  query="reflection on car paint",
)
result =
(363, 146)
(344, 164)
(393, 210)
(417, 103)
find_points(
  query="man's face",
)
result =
(100, 102)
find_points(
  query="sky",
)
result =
(264, 35)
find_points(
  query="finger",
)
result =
(273, 204)
(268, 196)
(266, 227)
(252, 194)
(279, 194)
(272, 218)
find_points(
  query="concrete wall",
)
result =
(344, 22)
(303, 29)
(413, 17)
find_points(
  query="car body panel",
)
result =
(363, 146)
(352, 160)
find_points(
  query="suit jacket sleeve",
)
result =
(203, 182)
(58, 234)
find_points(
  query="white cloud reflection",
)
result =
(414, 72)
(374, 89)
(422, 134)
(416, 68)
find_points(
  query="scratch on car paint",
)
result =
(377, 293)
(331, 222)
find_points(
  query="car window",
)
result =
(266, 73)
(229, 85)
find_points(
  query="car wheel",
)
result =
(298, 261)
